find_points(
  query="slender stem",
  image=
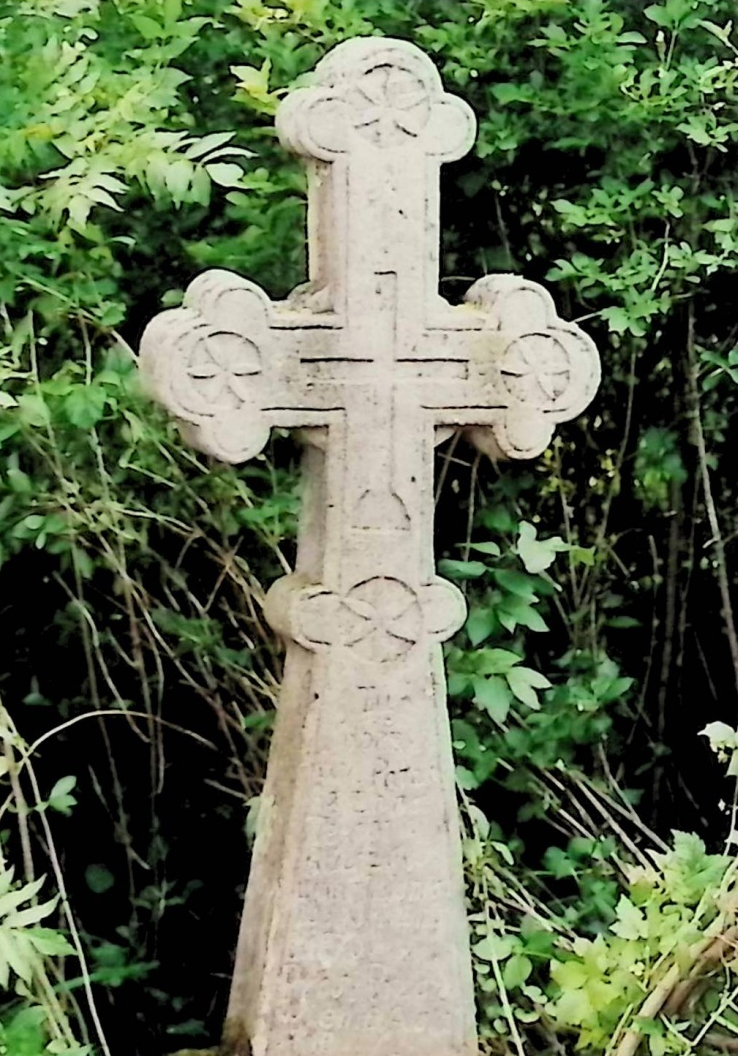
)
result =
(22, 810)
(717, 540)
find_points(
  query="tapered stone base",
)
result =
(354, 936)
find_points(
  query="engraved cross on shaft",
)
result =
(354, 938)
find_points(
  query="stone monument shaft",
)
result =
(354, 938)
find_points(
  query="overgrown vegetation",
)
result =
(137, 147)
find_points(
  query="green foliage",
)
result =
(24, 1034)
(658, 467)
(659, 926)
(724, 742)
(518, 715)
(34, 1019)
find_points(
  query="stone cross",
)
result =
(354, 937)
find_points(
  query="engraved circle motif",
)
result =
(381, 619)
(391, 105)
(536, 369)
(219, 367)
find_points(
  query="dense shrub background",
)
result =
(137, 147)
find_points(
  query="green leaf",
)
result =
(721, 736)
(177, 178)
(630, 923)
(479, 821)
(514, 611)
(60, 797)
(33, 410)
(25, 1035)
(658, 15)
(102, 197)
(622, 622)
(480, 623)
(172, 10)
(531, 618)
(200, 187)
(494, 695)
(9, 427)
(461, 569)
(498, 519)
(523, 682)
(99, 878)
(18, 953)
(537, 554)
(570, 975)
(506, 93)
(465, 779)
(494, 947)
(225, 173)
(79, 208)
(207, 144)
(583, 555)
(147, 27)
(618, 319)
(721, 32)
(49, 942)
(458, 683)
(255, 83)
(486, 548)
(19, 482)
(10, 900)
(24, 918)
(516, 971)
(85, 405)
(496, 661)
(517, 583)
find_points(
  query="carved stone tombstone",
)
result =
(354, 937)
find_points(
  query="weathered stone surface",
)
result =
(354, 939)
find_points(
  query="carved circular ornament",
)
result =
(378, 620)
(385, 92)
(219, 367)
(381, 619)
(391, 105)
(203, 361)
(549, 369)
(536, 369)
